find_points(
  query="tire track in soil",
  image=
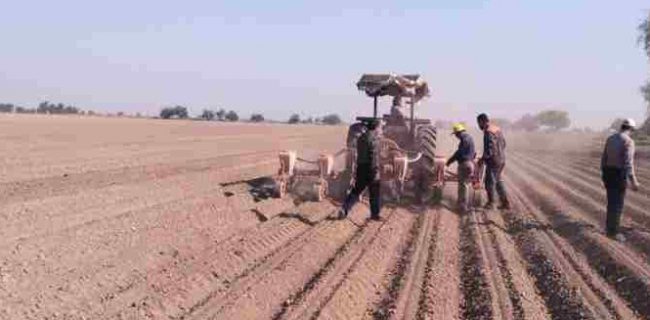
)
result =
(89, 210)
(105, 282)
(318, 291)
(190, 287)
(441, 296)
(401, 301)
(526, 302)
(48, 187)
(296, 278)
(506, 302)
(597, 292)
(566, 294)
(369, 279)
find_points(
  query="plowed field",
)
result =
(144, 219)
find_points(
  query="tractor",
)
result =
(409, 165)
(408, 144)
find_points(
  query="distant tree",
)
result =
(43, 107)
(232, 116)
(6, 107)
(645, 128)
(332, 119)
(644, 34)
(502, 123)
(554, 119)
(59, 108)
(25, 110)
(644, 40)
(308, 120)
(120, 114)
(175, 112)
(527, 122)
(256, 117)
(207, 115)
(295, 118)
(221, 114)
(91, 113)
(645, 92)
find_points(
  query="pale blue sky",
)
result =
(281, 57)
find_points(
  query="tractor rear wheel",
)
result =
(425, 143)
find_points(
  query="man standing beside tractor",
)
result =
(367, 172)
(617, 166)
(464, 155)
(494, 158)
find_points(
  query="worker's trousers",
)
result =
(615, 183)
(494, 181)
(365, 178)
(465, 170)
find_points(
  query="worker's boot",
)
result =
(505, 204)
(490, 204)
(342, 214)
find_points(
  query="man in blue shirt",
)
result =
(464, 156)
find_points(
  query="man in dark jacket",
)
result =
(494, 158)
(367, 173)
(464, 155)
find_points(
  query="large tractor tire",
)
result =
(425, 139)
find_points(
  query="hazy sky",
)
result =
(280, 57)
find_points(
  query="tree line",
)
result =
(181, 112)
(44, 107)
(548, 120)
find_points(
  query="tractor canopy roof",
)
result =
(408, 85)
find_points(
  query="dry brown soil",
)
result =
(148, 219)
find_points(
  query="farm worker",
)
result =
(367, 173)
(617, 166)
(494, 158)
(397, 110)
(464, 155)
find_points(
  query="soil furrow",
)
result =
(478, 294)
(369, 279)
(576, 235)
(315, 293)
(591, 195)
(405, 294)
(402, 285)
(526, 302)
(226, 265)
(441, 296)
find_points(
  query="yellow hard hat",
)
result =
(458, 127)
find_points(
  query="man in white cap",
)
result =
(617, 166)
